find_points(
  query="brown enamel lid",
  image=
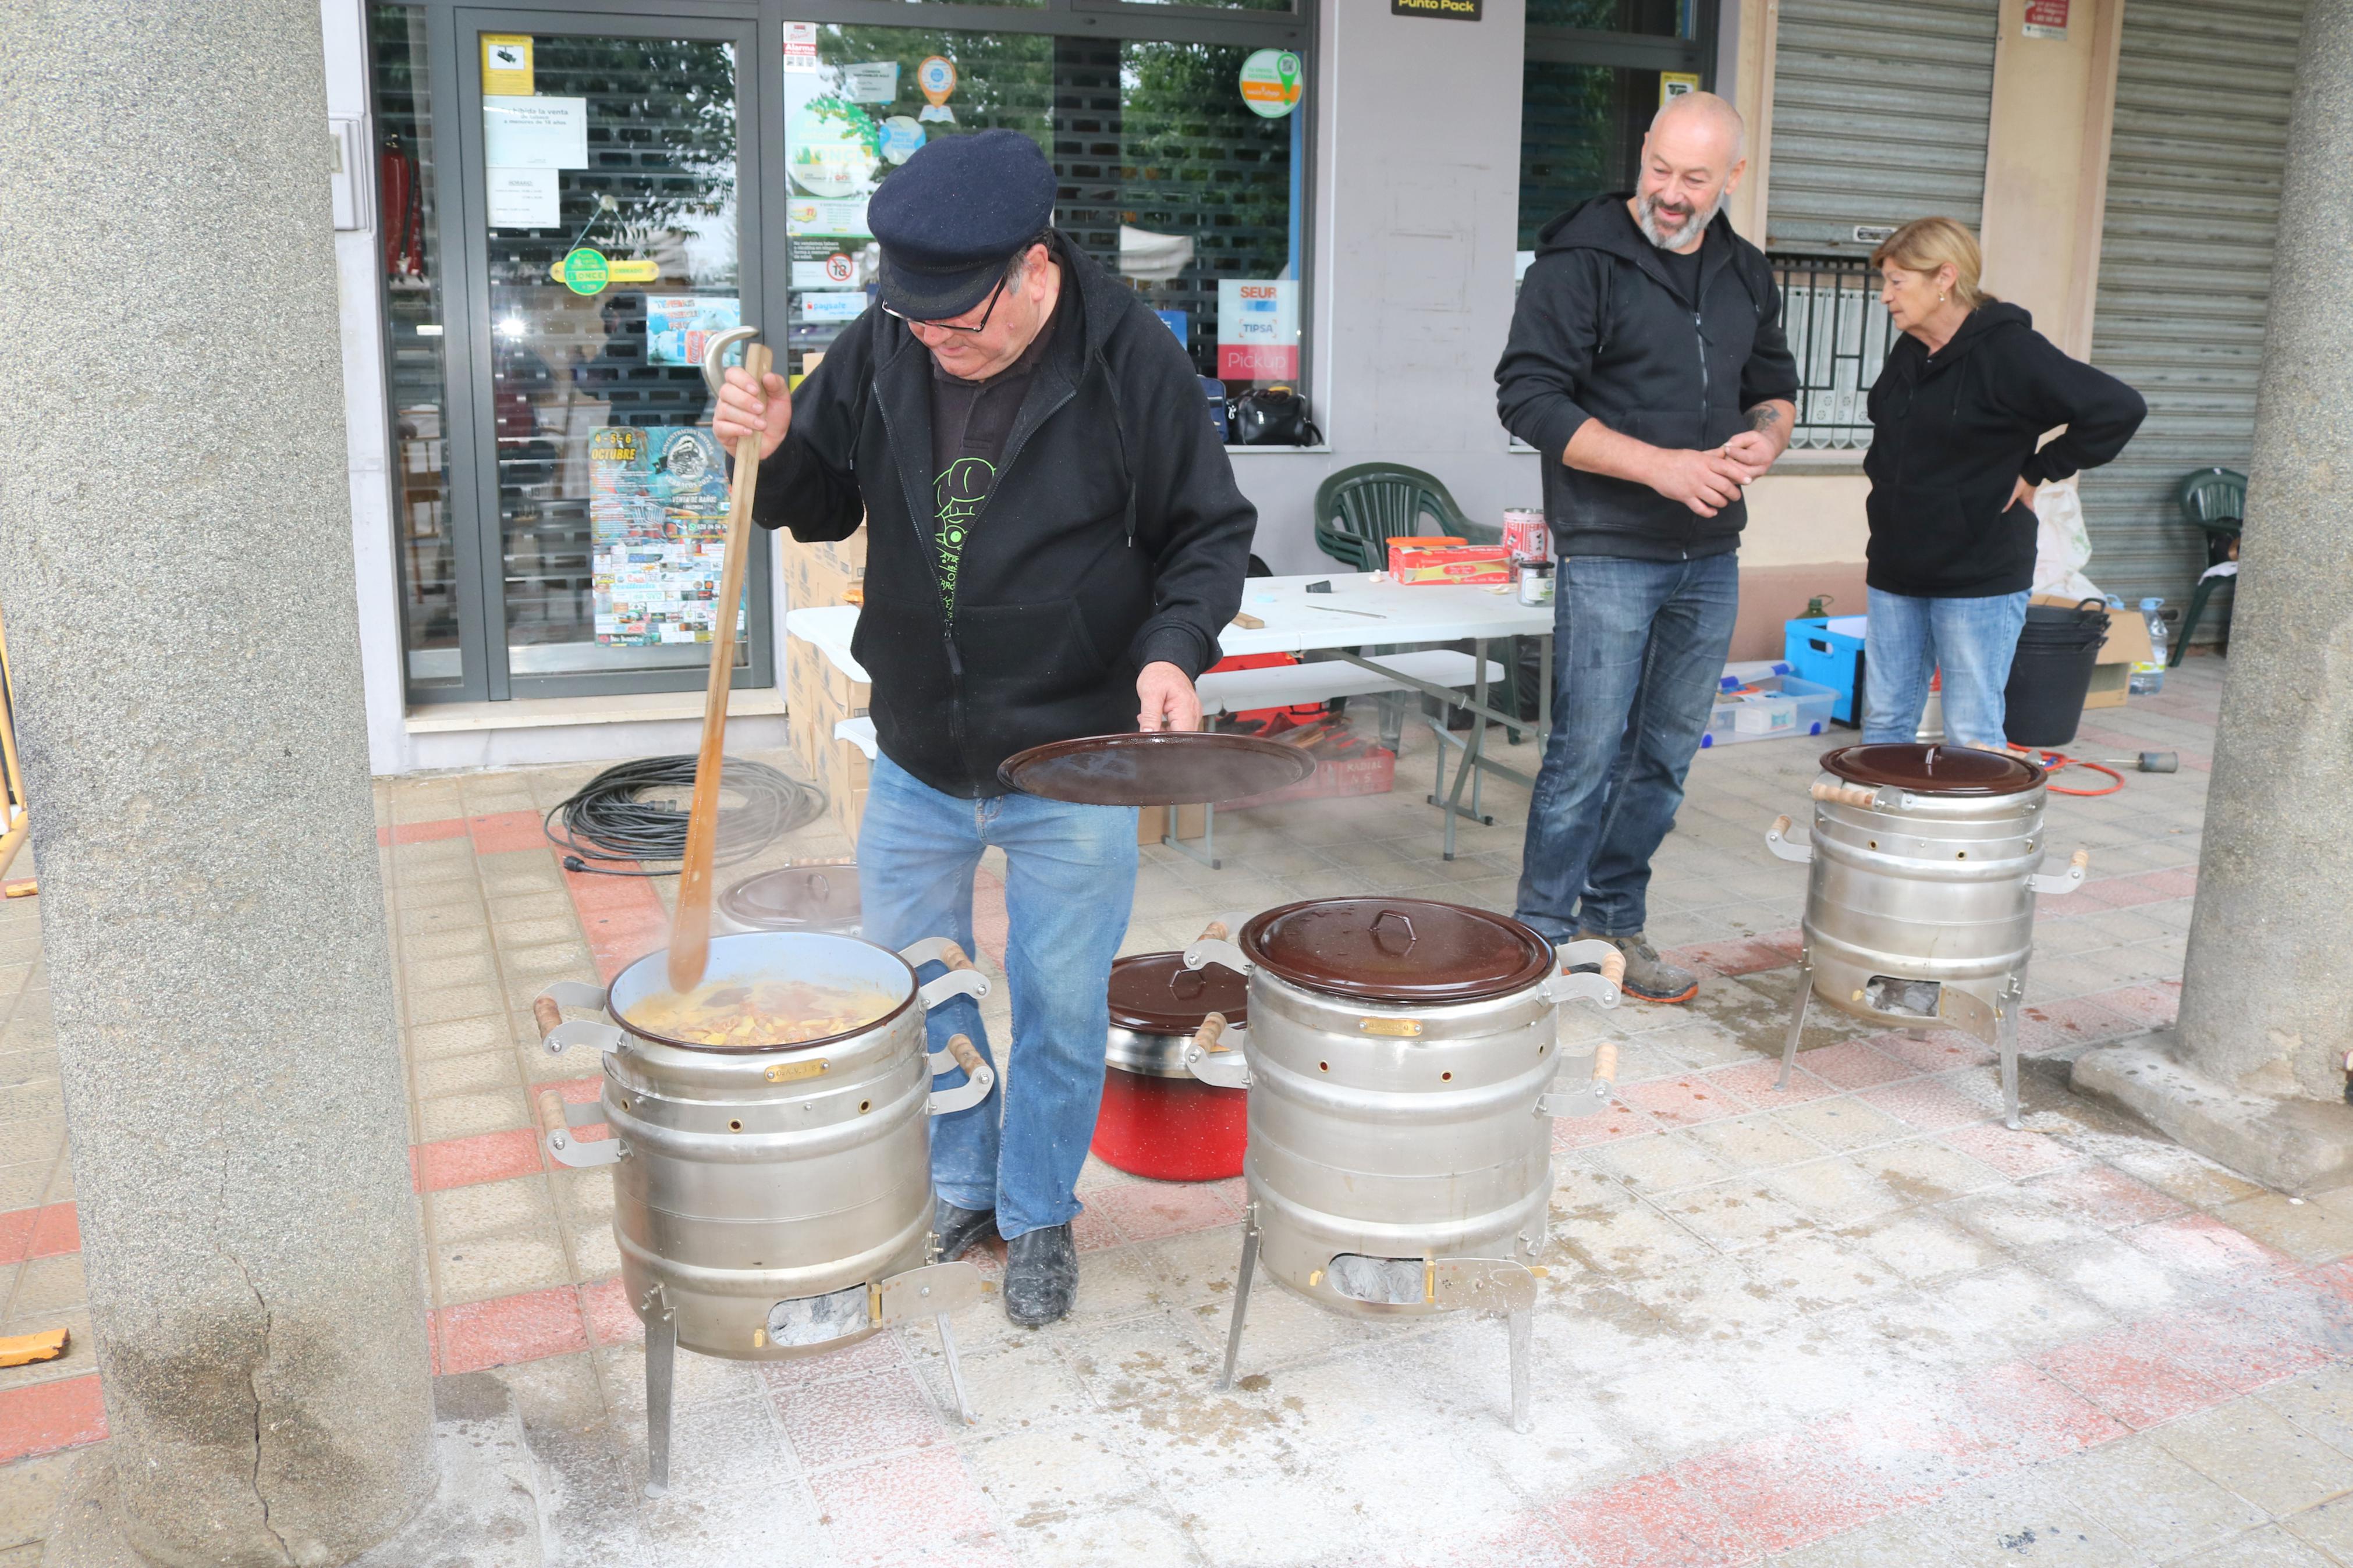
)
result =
(1398, 950)
(1163, 767)
(1155, 993)
(1933, 770)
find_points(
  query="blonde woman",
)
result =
(1966, 393)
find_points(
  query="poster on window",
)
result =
(679, 326)
(657, 515)
(1257, 329)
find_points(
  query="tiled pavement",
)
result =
(1856, 1322)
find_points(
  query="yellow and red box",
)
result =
(1458, 561)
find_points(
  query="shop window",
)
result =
(1172, 170)
(1595, 73)
(405, 193)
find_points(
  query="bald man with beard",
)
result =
(1647, 363)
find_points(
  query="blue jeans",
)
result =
(1070, 882)
(1638, 649)
(1908, 639)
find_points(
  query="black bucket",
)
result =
(2051, 674)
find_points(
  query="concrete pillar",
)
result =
(2254, 1073)
(175, 572)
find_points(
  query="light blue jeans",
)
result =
(1638, 650)
(1070, 882)
(1909, 639)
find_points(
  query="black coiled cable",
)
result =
(607, 819)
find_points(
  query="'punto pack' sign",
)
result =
(1454, 10)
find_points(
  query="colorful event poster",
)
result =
(678, 326)
(658, 511)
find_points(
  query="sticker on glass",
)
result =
(873, 81)
(1271, 82)
(902, 138)
(800, 47)
(936, 77)
(834, 147)
(506, 64)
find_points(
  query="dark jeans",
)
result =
(1638, 649)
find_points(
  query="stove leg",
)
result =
(956, 1372)
(661, 1358)
(1797, 1020)
(2006, 1042)
(1241, 1305)
(1523, 1335)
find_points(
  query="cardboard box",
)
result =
(2127, 644)
(831, 572)
(1152, 823)
(1419, 559)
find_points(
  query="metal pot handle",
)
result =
(1216, 949)
(554, 1033)
(556, 1121)
(2065, 881)
(1864, 796)
(1776, 839)
(1607, 988)
(1216, 1056)
(979, 1076)
(1593, 1094)
(961, 980)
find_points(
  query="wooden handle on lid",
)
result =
(966, 1055)
(1213, 1028)
(1844, 794)
(547, 1016)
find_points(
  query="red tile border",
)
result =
(43, 1417)
(2127, 1373)
(2106, 1196)
(1148, 1211)
(1942, 1051)
(1851, 1065)
(505, 832)
(2015, 1154)
(1617, 1121)
(1931, 1107)
(1754, 1081)
(504, 1330)
(1743, 955)
(2155, 1006)
(605, 1306)
(2048, 1026)
(469, 1161)
(50, 1231)
(1785, 1490)
(1656, 1520)
(622, 917)
(1684, 1101)
(2177, 884)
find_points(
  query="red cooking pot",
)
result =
(1158, 1120)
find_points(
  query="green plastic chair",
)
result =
(1360, 509)
(2213, 500)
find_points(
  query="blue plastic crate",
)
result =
(1828, 651)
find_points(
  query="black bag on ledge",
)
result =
(1272, 416)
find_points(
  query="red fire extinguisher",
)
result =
(404, 211)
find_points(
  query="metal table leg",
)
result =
(1208, 853)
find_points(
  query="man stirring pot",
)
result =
(1054, 541)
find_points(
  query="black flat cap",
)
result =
(951, 218)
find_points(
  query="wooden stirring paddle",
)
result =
(690, 930)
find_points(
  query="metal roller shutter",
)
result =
(1880, 109)
(2194, 168)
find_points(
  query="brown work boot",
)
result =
(1649, 977)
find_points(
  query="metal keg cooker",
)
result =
(1400, 1059)
(1921, 902)
(772, 1202)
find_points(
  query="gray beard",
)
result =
(1646, 218)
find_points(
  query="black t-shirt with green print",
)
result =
(971, 421)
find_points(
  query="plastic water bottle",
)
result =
(2147, 677)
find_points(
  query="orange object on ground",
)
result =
(24, 888)
(24, 1350)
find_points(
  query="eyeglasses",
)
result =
(994, 295)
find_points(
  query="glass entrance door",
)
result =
(612, 197)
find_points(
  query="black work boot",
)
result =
(959, 1230)
(1041, 1276)
(1649, 977)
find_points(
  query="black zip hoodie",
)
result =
(1953, 433)
(1114, 537)
(1602, 332)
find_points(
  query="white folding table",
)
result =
(1355, 612)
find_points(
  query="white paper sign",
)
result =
(524, 198)
(874, 82)
(535, 132)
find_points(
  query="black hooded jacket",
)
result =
(1603, 333)
(1953, 433)
(1114, 537)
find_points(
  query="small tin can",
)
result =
(1535, 582)
(1526, 536)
